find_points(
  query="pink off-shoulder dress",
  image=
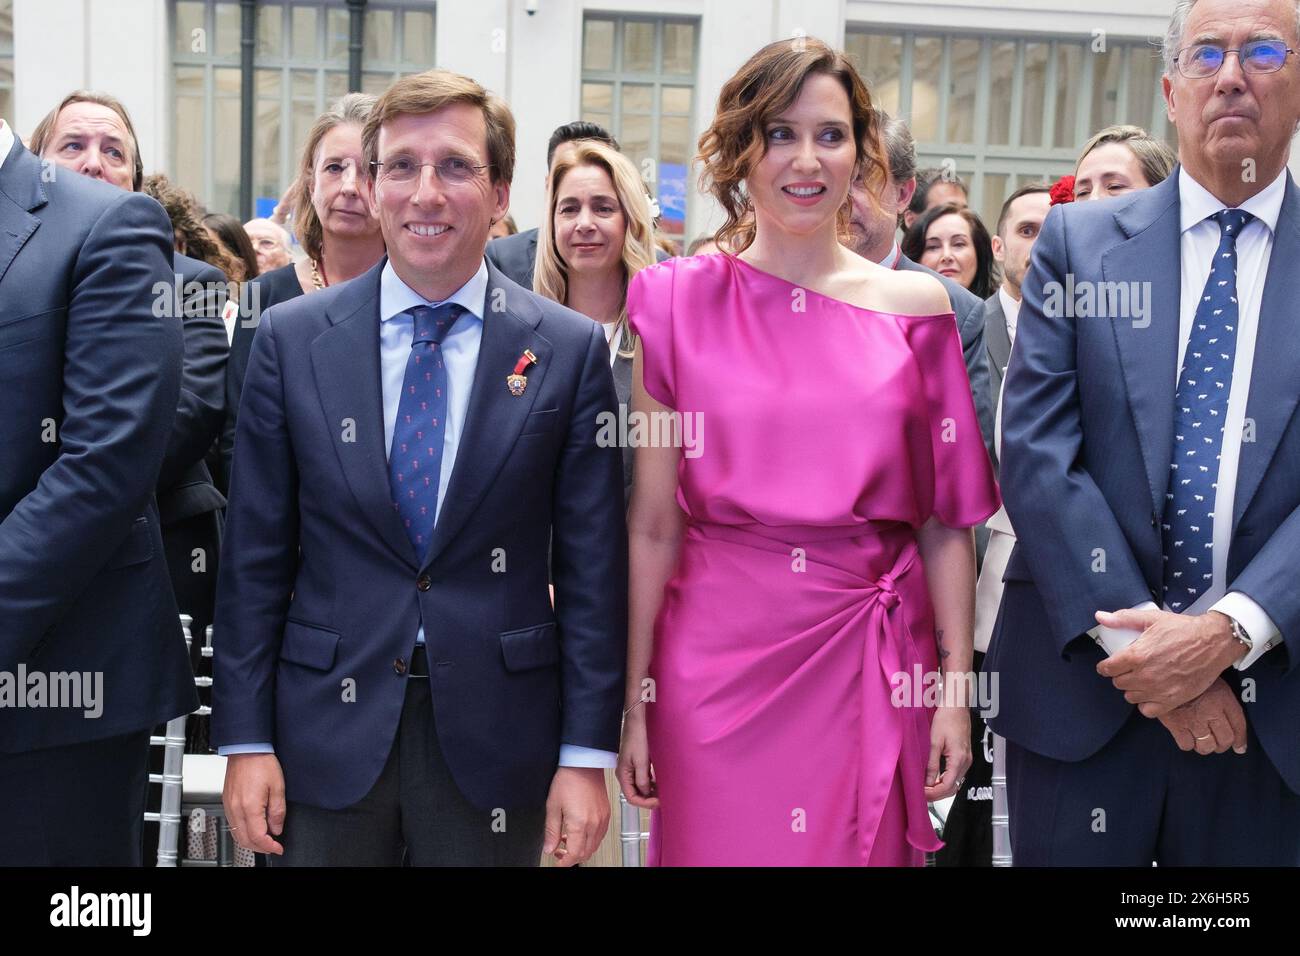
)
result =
(825, 436)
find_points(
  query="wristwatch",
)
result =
(1239, 633)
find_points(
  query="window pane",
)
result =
(961, 91)
(375, 83)
(304, 34)
(679, 48)
(1031, 117)
(1069, 65)
(599, 118)
(417, 38)
(270, 30)
(225, 161)
(303, 116)
(336, 85)
(674, 139)
(636, 138)
(1144, 68)
(1105, 87)
(598, 45)
(379, 37)
(925, 90)
(189, 17)
(266, 143)
(638, 97)
(1002, 74)
(995, 191)
(227, 29)
(190, 141)
(303, 85)
(337, 32)
(675, 99)
(638, 46)
(598, 97)
(878, 59)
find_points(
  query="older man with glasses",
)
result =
(1150, 625)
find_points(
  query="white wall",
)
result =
(122, 47)
(119, 47)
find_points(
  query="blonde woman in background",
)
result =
(597, 234)
(334, 225)
(1119, 160)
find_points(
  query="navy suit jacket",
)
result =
(87, 360)
(319, 596)
(1087, 437)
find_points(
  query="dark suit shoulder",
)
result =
(278, 285)
(196, 270)
(966, 304)
(506, 246)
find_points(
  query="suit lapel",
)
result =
(21, 191)
(495, 416)
(996, 337)
(1273, 393)
(1148, 353)
(345, 359)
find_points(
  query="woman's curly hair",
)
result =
(767, 84)
(192, 237)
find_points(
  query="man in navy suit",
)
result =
(92, 133)
(90, 368)
(1150, 625)
(391, 679)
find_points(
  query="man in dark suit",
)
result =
(92, 134)
(392, 681)
(872, 230)
(1019, 223)
(516, 255)
(1147, 639)
(91, 372)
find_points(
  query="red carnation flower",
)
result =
(1062, 190)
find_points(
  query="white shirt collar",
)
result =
(891, 260)
(6, 141)
(1010, 309)
(1196, 203)
(395, 296)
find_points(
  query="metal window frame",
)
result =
(980, 157)
(286, 65)
(617, 76)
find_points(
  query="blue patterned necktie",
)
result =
(415, 459)
(1200, 407)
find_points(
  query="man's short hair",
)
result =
(1026, 190)
(570, 132)
(899, 145)
(43, 135)
(432, 90)
(925, 181)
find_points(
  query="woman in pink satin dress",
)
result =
(802, 563)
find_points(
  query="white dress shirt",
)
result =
(1011, 309)
(611, 340)
(459, 351)
(6, 141)
(1200, 241)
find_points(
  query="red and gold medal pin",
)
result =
(517, 381)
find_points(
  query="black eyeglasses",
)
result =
(454, 170)
(1258, 56)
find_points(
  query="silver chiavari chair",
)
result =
(1001, 815)
(631, 836)
(191, 790)
(168, 816)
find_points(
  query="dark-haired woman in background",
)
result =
(229, 231)
(951, 240)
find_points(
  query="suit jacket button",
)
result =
(423, 583)
(399, 666)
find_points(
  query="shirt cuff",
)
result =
(1254, 620)
(1115, 639)
(231, 749)
(571, 755)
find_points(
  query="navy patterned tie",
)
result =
(415, 459)
(1200, 407)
